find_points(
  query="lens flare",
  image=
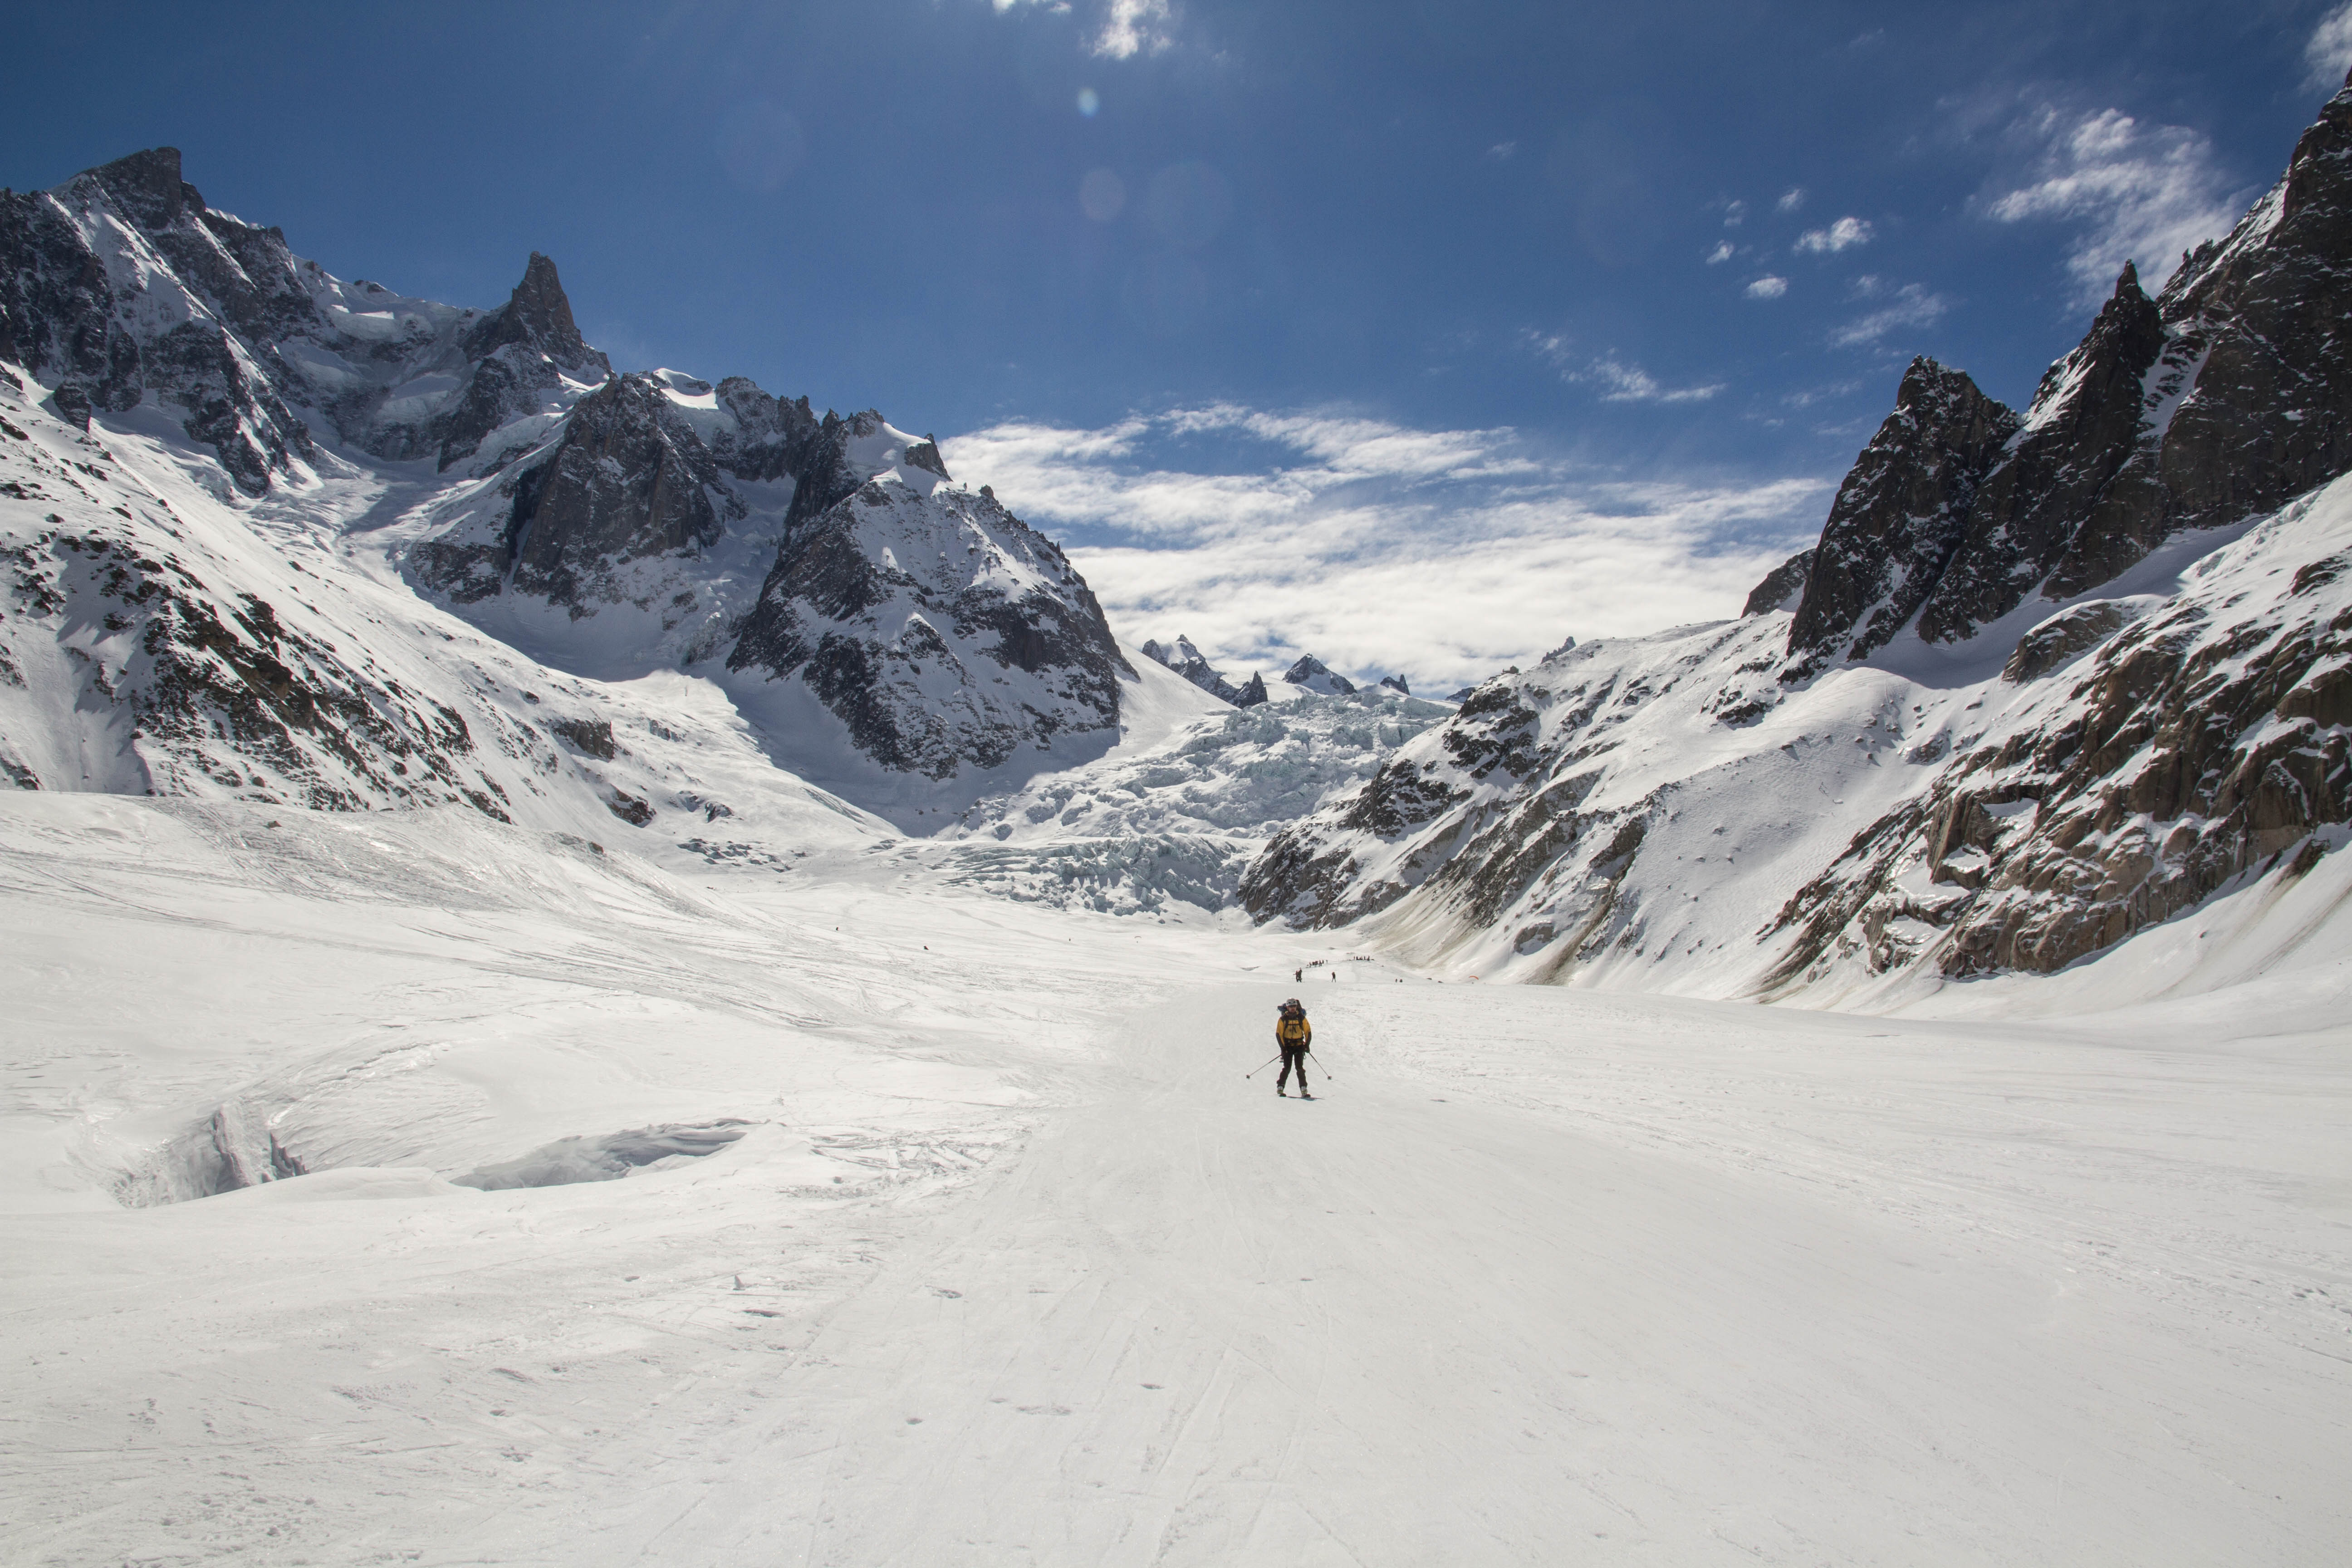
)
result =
(1089, 101)
(1102, 193)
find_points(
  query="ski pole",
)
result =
(1263, 1065)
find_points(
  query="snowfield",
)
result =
(491, 1076)
(971, 1243)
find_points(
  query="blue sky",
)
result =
(1421, 334)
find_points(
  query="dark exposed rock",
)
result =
(2060, 477)
(1900, 514)
(72, 405)
(1782, 586)
(240, 330)
(2193, 752)
(627, 480)
(934, 660)
(635, 810)
(2062, 636)
(774, 438)
(593, 736)
(1396, 683)
(518, 352)
(1253, 693)
(221, 694)
(924, 454)
(2222, 398)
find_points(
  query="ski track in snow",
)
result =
(1014, 1266)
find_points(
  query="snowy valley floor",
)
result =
(1009, 1264)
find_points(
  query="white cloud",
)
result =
(1134, 26)
(1129, 28)
(1768, 288)
(1720, 254)
(1734, 215)
(1791, 199)
(2328, 54)
(1631, 383)
(1501, 151)
(2133, 191)
(1620, 382)
(1909, 306)
(1444, 554)
(1842, 235)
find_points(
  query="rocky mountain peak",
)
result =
(537, 315)
(147, 187)
(2320, 173)
(1898, 517)
(1193, 665)
(942, 631)
(1783, 587)
(2224, 397)
(1315, 676)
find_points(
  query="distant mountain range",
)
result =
(2048, 676)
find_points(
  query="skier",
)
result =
(1292, 1032)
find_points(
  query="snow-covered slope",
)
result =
(1668, 813)
(158, 637)
(928, 1228)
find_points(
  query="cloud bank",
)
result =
(2328, 54)
(1439, 554)
(2134, 192)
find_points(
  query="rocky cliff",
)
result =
(121, 285)
(2225, 396)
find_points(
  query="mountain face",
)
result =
(615, 523)
(2136, 595)
(1193, 666)
(1315, 676)
(121, 285)
(938, 628)
(2225, 396)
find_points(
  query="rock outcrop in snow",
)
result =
(940, 629)
(1193, 666)
(1315, 676)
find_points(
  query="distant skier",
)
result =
(1292, 1032)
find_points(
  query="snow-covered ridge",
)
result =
(611, 525)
